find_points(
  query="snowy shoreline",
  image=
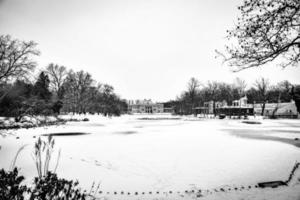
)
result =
(28, 122)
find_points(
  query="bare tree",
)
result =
(265, 31)
(284, 88)
(192, 90)
(212, 90)
(78, 86)
(57, 75)
(262, 86)
(241, 86)
(15, 57)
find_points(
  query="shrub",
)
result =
(85, 120)
(56, 107)
(50, 187)
(10, 185)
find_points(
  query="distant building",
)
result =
(242, 102)
(145, 106)
(169, 110)
(238, 107)
(208, 107)
(241, 107)
(286, 109)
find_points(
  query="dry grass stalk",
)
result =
(44, 148)
(13, 163)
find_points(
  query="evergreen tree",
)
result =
(41, 87)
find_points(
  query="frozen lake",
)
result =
(133, 153)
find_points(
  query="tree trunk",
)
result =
(214, 108)
(296, 96)
(297, 102)
(263, 108)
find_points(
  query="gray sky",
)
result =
(144, 48)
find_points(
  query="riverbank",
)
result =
(27, 122)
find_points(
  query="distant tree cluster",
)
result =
(261, 92)
(81, 94)
(55, 89)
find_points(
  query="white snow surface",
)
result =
(184, 153)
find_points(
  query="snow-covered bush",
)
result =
(10, 185)
(48, 187)
(51, 187)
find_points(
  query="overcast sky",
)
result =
(144, 48)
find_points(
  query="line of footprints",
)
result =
(198, 193)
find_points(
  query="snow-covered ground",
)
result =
(178, 154)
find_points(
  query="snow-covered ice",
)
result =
(133, 155)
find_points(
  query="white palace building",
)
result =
(144, 106)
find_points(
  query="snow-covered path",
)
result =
(134, 155)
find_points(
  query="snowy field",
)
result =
(136, 154)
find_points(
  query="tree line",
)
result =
(56, 89)
(261, 92)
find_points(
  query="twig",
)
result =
(57, 161)
(13, 163)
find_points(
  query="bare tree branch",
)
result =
(267, 31)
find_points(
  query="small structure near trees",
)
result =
(242, 108)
